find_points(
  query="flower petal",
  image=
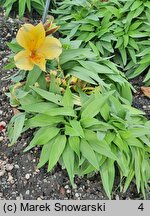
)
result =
(24, 36)
(39, 60)
(31, 37)
(23, 61)
(39, 35)
(51, 48)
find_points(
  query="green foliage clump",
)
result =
(115, 29)
(85, 133)
(81, 123)
(22, 5)
(80, 106)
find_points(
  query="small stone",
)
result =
(144, 107)
(1, 112)
(88, 182)
(10, 178)
(2, 173)
(27, 176)
(16, 166)
(68, 191)
(39, 198)
(77, 195)
(66, 186)
(9, 167)
(21, 196)
(8, 35)
(5, 60)
(117, 197)
(74, 186)
(27, 192)
(1, 138)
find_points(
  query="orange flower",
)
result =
(37, 47)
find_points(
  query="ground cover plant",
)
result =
(118, 30)
(76, 108)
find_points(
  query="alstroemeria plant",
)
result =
(37, 47)
(80, 119)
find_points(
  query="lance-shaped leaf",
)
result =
(43, 136)
(68, 158)
(88, 153)
(93, 108)
(57, 149)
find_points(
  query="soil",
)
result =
(19, 177)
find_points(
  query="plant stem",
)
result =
(45, 11)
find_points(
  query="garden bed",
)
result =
(19, 177)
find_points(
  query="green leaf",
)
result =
(82, 74)
(68, 158)
(57, 149)
(140, 131)
(138, 70)
(134, 142)
(29, 5)
(107, 171)
(122, 162)
(9, 66)
(90, 71)
(136, 5)
(44, 157)
(133, 44)
(17, 127)
(119, 42)
(74, 143)
(126, 40)
(54, 86)
(133, 111)
(55, 98)
(66, 111)
(41, 107)
(42, 137)
(89, 122)
(32, 77)
(132, 55)
(88, 153)
(147, 77)
(137, 159)
(96, 68)
(14, 46)
(74, 54)
(125, 91)
(99, 146)
(94, 48)
(6, 3)
(128, 180)
(145, 60)
(93, 108)
(123, 55)
(42, 120)
(22, 7)
(67, 100)
(77, 127)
